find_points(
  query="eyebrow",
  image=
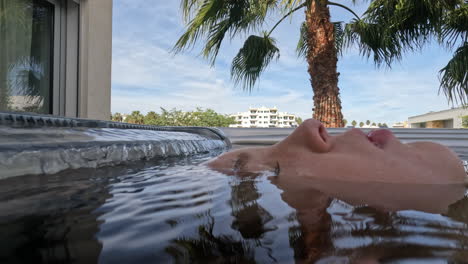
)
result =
(241, 161)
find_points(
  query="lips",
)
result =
(380, 137)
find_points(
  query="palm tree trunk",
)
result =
(322, 60)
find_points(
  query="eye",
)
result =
(241, 162)
(277, 168)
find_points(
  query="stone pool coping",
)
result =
(32, 144)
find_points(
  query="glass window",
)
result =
(26, 48)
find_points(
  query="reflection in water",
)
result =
(249, 217)
(26, 41)
(209, 248)
(179, 211)
(49, 219)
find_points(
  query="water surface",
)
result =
(177, 210)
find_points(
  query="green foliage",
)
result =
(373, 124)
(384, 125)
(302, 45)
(299, 120)
(252, 60)
(174, 117)
(389, 28)
(354, 123)
(454, 76)
(361, 124)
(345, 122)
(368, 122)
(214, 19)
(465, 121)
(338, 31)
(117, 117)
(135, 118)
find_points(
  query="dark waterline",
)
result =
(177, 210)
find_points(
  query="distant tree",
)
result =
(384, 125)
(299, 120)
(379, 124)
(361, 124)
(354, 123)
(152, 118)
(345, 122)
(368, 122)
(373, 124)
(209, 118)
(174, 117)
(135, 118)
(117, 117)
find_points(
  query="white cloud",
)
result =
(390, 96)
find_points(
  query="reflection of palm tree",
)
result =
(250, 217)
(25, 61)
(209, 248)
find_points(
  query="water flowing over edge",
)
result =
(51, 150)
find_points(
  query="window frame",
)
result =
(65, 59)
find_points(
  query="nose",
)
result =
(311, 134)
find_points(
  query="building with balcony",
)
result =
(55, 57)
(403, 124)
(264, 117)
(450, 118)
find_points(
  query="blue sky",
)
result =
(146, 76)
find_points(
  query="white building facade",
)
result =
(264, 117)
(450, 118)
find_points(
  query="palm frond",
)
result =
(216, 19)
(373, 41)
(455, 25)
(391, 27)
(252, 59)
(338, 31)
(291, 4)
(302, 45)
(188, 6)
(454, 76)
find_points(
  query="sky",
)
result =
(147, 76)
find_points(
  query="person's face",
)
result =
(378, 156)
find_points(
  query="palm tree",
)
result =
(136, 118)
(217, 18)
(354, 123)
(387, 29)
(361, 124)
(117, 117)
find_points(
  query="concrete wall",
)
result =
(451, 118)
(95, 59)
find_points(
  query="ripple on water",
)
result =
(180, 211)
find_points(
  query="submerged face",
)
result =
(376, 157)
